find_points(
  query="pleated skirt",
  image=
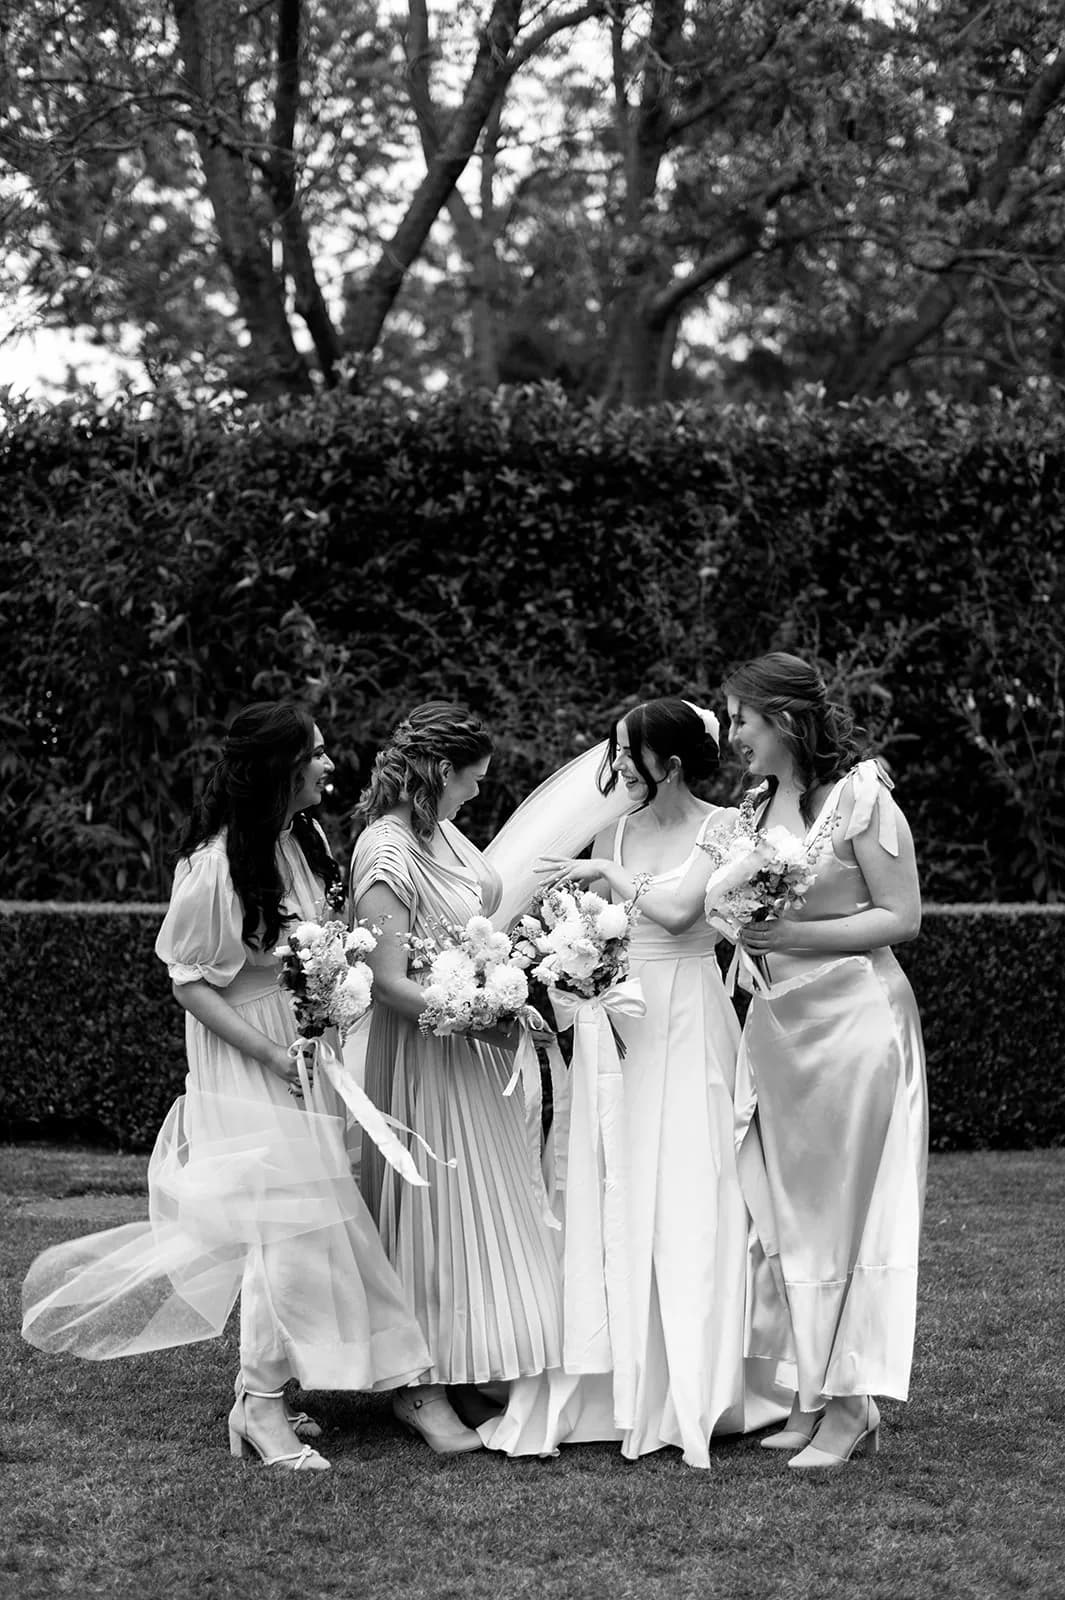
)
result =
(472, 1250)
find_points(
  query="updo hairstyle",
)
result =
(790, 694)
(667, 727)
(410, 765)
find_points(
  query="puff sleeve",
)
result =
(201, 932)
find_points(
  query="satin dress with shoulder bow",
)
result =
(832, 1061)
(250, 1191)
(679, 1370)
(473, 1249)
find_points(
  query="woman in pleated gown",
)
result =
(474, 1249)
(250, 1186)
(688, 1340)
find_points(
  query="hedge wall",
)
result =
(101, 1052)
(547, 563)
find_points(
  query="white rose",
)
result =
(612, 922)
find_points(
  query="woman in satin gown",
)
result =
(250, 1185)
(473, 1250)
(830, 1078)
(677, 1374)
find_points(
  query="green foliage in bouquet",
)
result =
(549, 564)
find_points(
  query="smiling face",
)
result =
(311, 777)
(756, 741)
(462, 784)
(626, 769)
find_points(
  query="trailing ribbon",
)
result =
(527, 1073)
(371, 1119)
(597, 1320)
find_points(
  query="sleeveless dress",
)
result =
(250, 1192)
(472, 1249)
(688, 1227)
(832, 1061)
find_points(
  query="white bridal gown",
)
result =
(689, 1371)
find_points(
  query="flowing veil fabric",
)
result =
(558, 819)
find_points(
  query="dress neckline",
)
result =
(668, 872)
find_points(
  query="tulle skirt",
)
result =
(250, 1194)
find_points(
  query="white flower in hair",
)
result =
(708, 720)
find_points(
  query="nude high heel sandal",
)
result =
(242, 1444)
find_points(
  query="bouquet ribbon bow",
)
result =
(590, 1134)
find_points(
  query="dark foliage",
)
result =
(542, 562)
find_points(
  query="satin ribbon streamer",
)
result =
(527, 1073)
(596, 1297)
(371, 1119)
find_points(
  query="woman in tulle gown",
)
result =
(685, 1253)
(474, 1249)
(830, 1078)
(250, 1186)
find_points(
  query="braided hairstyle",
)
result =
(667, 727)
(790, 694)
(409, 766)
(248, 794)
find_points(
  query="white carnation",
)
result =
(507, 987)
(612, 922)
(360, 940)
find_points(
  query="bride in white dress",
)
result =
(686, 1259)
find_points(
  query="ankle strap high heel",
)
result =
(241, 1443)
(302, 1424)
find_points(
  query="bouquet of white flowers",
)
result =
(575, 941)
(760, 874)
(472, 979)
(323, 968)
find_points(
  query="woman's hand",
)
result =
(776, 933)
(501, 1037)
(285, 1066)
(576, 869)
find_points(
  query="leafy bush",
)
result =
(103, 1052)
(545, 562)
(988, 985)
(95, 1038)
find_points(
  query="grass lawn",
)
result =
(117, 1481)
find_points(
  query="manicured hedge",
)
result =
(96, 1040)
(545, 561)
(990, 983)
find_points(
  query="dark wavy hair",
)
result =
(248, 793)
(668, 727)
(790, 694)
(408, 768)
